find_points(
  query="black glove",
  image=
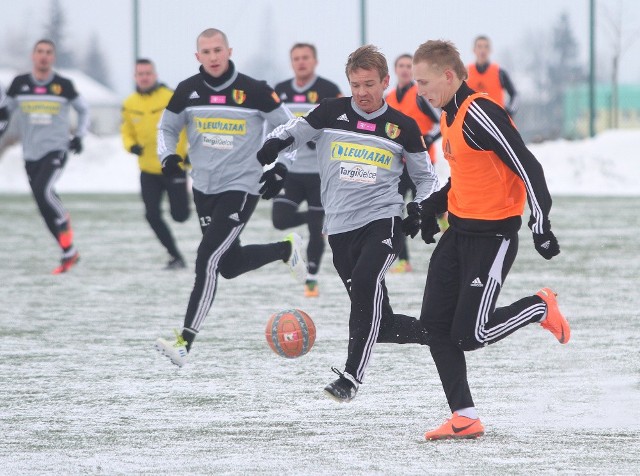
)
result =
(428, 222)
(136, 149)
(273, 181)
(171, 165)
(4, 120)
(546, 244)
(75, 145)
(270, 149)
(428, 140)
(411, 224)
(311, 145)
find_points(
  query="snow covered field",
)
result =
(84, 392)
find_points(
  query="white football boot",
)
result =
(176, 351)
(296, 261)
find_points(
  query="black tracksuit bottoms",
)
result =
(222, 218)
(152, 187)
(362, 257)
(459, 311)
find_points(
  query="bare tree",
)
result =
(55, 31)
(94, 64)
(620, 40)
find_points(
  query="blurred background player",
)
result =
(40, 101)
(141, 113)
(493, 174)
(302, 93)
(361, 142)
(405, 99)
(225, 113)
(490, 78)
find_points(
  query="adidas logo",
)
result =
(476, 283)
(234, 216)
(194, 95)
(343, 117)
(388, 243)
(546, 244)
(25, 87)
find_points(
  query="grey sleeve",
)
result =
(82, 108)
(422, 174)
(169, 129)
(300, 130)
(280, 115)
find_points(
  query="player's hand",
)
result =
(411, 224)
(311, 145)
(546, 244)
(171, 166)
(270, 149)
(273, 181)
(136, 149)
(428, 222)
(75, 145)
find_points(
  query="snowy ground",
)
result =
(83, 391)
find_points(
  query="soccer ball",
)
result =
(290, 333)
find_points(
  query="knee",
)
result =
(466, 342)
(280, 219)
(180, 216)
(227, 271)
(153, 216)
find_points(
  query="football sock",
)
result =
(469, 412)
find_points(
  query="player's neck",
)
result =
(302, 81)
(41, 75)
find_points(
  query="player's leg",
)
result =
(43, 175)
(315, 223)
(152, 188)
(373, 249)
(285, 213)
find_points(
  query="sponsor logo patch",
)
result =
(299, 98)
(361, 153)
(217, 141)
(358, 173)
(215, 125)
(366, 126)
(40, 90)
(217, 99)
(40, 107)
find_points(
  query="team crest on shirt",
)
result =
(56, 89)
(239, 96)
(312, 96)
(392, 130)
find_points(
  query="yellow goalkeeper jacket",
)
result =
(141, 113)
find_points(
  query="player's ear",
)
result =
(230, 52)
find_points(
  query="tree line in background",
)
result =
(17, 52)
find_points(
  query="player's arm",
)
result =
(7, 105)
(418, 164)
(172, 122)
(82, 108)
(507, 85)
(127, 131)
(488, 127)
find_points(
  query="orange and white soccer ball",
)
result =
(290, 333)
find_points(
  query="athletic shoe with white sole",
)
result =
(176, 351)
(296, 261)
(342, 390)
(456, 428)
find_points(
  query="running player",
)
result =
(40, 102)
(361, 143)
(141, 113)
(224, 112)
(492, 174)
(490, 78)
(302, 93)
(405, 99)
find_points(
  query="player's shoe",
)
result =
(342, 390)
(555, 322)
(443, 221)
(176, 351)
(175, 263)
(311, 288)
(65, 235)
(66, 263)
(455, 428)
(403, 266)
(296, 260)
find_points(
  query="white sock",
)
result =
(469, 412)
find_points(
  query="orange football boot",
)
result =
(456, 428)
(66, 264)
(555, 322)
(311, 288)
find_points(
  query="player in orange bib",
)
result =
(492, 175)
(490, 78)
